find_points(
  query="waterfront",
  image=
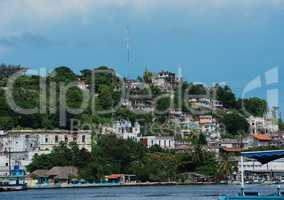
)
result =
(136, 193)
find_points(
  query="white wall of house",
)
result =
(163, 142)
(262, 125)
(123, 129)
(22, 145)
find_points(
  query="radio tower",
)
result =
(127, 40)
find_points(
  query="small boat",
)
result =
(9, 184)
(263, 157)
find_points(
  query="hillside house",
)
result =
(162, 141)
(124, 129)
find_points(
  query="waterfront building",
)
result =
(17, 147)
(255, 171)
(121, 178)
(56, 176)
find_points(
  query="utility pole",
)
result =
(127, 40)
(9, 154)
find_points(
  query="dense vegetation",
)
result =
(113, 155)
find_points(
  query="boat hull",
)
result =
(12, 188)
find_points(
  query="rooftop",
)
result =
(262, 137)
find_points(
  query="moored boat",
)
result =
(8, 184)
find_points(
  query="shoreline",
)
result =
(147, 184)
(89, 186)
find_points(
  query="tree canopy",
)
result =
(255, 106)
(235, 123)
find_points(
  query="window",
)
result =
(46, 140)
(159, 142)
(169, 143)
(83, 138)
(56, 139)
(74, 138)
(6, 164)
(65, 138)
(165, 143)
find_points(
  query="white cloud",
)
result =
(40, 14)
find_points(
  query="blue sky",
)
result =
(211, 40)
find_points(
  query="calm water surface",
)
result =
(135, 193)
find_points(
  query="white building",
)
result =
(262, 125)
(142, 104)
(123, 129)
(82, 85)
(256, 172)
(162, 141)
(134, 84)
(21, 145)
(216, 104)
(166, 80)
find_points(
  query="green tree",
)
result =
(225, 95)
(197, 89)
(62, 155)
(235, 123)
(63, 74)
(117, 154)
(255, 106)
(105, 97)
(148, 77)
(226, 167)
(156, 167)
(163, 104)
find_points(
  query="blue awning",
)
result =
(264, 156)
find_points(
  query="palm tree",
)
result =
(225, 166)
(198, 142)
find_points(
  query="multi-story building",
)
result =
(262, 140)
(209, 126)
(142, 104)
(262, 125)
(123, 129)
(204, 102)
(134, 84)
(166, 80)
(19, 146)
(162, 141)
(233, 145)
